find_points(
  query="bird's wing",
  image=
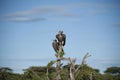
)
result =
(64, 36)
(57, 36)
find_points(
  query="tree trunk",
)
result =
(47, 78)
(71, 74)
(58, 69)
(91, 76)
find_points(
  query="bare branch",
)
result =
(83, 62)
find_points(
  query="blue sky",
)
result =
(27, 28)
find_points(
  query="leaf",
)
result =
(62, 53)
(50, 63)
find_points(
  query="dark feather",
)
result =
(55, 46)
(61, 38)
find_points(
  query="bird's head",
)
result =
(60, 32)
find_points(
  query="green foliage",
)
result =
(5, 69)
(35, 73)
(50, 64)
(113, 70)
(112, 73)
(107, 77)
(7, 74)
(62, 54)
(86, 72)
(39, 73)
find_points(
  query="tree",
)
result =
(39, 73)
(88, 73)
(5, 72)
(58, 47)
(34, 73)
(112, 73)
(113, 70)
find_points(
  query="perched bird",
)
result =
(61, 38)
(55, 45)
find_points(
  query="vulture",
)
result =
(55, 45)
(61, 38)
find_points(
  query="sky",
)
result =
(28, 27)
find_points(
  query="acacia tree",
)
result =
(113, 70)
(31, 74)
(58, 47)
(112, 73)
(5, 73)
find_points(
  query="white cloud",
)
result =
(34, 11)
(67, 11)
(24, 19)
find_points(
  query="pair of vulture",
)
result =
(61, 41)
